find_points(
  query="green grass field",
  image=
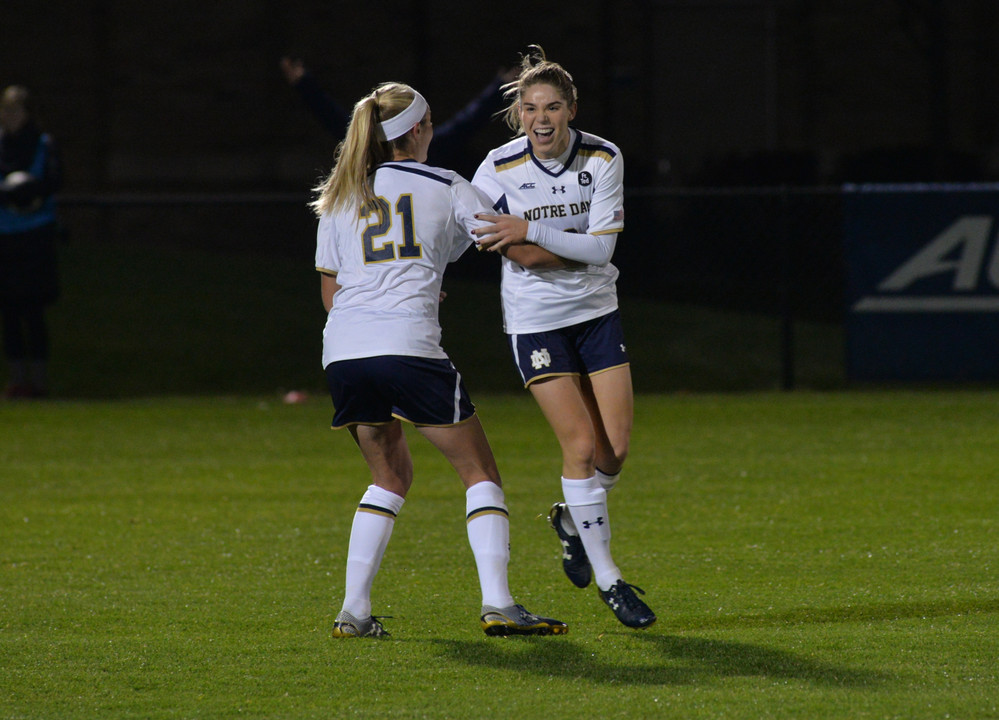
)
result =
(810, 555)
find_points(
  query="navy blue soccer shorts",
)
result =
(377, 390)
(586, 348)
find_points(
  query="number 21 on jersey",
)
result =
(379, 216)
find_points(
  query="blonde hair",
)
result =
(535, 69)
(361, 151)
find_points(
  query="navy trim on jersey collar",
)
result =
(512, 159)
(529, 151)
(568, 161)
(394, 165)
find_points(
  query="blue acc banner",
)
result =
(922, 282)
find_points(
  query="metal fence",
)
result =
(765, 257)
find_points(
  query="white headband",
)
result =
(399, 125)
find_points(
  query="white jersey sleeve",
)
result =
(606, 213)
(327, 259)
(584, 248)
(467, 202)
(487, 182)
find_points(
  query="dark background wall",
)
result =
(186, 94)
(189, 161)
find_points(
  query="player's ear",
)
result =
(413, 136)
(572, 112)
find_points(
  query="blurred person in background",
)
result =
(30, 175)
(450, 138)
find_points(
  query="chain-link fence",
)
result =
(721, 290)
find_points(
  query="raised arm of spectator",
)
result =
(451, 135)
(321, 104)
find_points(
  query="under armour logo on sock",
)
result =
(598, 521)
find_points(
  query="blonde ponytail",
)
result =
(361, 151)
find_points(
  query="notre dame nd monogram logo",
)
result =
(540, 358)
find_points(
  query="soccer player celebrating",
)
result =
(388, 227)
(558, 196)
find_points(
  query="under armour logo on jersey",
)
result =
(622, 348)
(541, 358)
(556, 189)
(598, 521)
(527, 186)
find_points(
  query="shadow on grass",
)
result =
(874, 612)
(684, 661)
(689, 660)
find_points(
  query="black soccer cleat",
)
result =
(574, 561)
(627, 606)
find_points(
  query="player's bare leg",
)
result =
(488, 525)
(610, 400)
(385, 450)
(561, 401)
(467, 449)
(602, 413)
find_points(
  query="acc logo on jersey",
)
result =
(585, 179)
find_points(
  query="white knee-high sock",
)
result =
(369, 536)
(488, 526)
(587, 503)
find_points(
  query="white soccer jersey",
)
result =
(390, 262)
(585, 195)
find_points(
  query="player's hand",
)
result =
(293, 69)
(504, 230)
(508, 74)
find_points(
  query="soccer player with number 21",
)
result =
(388, 227)
(557, 196)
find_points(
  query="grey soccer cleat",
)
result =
(515, 620)
(627, 606)
(574, 561)
(348, 626)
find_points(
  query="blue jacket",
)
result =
(32, 204)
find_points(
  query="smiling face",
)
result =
(545, 115)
